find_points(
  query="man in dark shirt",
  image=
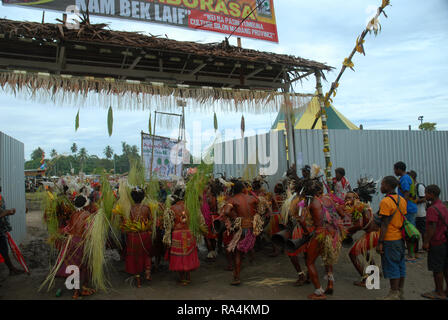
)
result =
(435, 242)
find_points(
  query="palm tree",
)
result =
(74, 148)
(53, 153)
(37, 154)
(108, 152)
(82, 156)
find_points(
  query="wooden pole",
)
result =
(238, 41)
(152, 149)
(335, 84)
(323, 116)
(289, 126)
(141, 150)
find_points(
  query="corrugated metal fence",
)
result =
(12, 180)
(369, 153)
(266, 151)
(373, 153)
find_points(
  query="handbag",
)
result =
(409, 231)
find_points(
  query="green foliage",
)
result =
(108, 152)
(82, 161)
(110, 121)
(215, 121)
(428, 126)
(136, 175)
(76, 122)
(74, 148)
(194, 189)
(37, 154)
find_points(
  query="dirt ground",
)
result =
(210, 281)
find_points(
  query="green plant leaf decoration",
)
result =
(110, 121)
(149, 124)
(77, 121)
(215, 121)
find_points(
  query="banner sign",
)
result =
(223, 16)
(166, 159)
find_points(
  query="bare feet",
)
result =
(314, 296)
(148, 274)
(302, 280)
(235, 282)
(87, 291)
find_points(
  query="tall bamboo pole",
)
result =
(323, 116)
(358, 48)
(152, 149)
(289, 125)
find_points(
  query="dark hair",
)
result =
(216, 187)
(80, 201)
(137, 195)
(256, 185)
(178, 194)
(309, 187)
(433, 189)
(400, 165)
(279, 188)
(341, 171)
(238, 187)
(391, 181)
(413, 174)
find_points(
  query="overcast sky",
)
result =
(403, 75)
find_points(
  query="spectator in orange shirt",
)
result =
(391, 242)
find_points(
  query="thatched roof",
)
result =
(99, 33)
(132, 70)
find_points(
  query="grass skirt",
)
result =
(138, 249)
(366, 243)
(183, 254)
(73, 256)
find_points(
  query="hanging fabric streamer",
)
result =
(149, 124)
(110, 121)
(77, 121)
(243, 126)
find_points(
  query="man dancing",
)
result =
(241, 209)
(327, 238)
(362, 220)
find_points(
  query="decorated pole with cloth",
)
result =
(325, 102)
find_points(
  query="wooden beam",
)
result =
(83, 69)
(185, 64)
(61, 58)
(160, 64)
(133, 64)
(250, 75)
(197, 69)
(302, 76)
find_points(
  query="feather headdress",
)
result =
(315, 171)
